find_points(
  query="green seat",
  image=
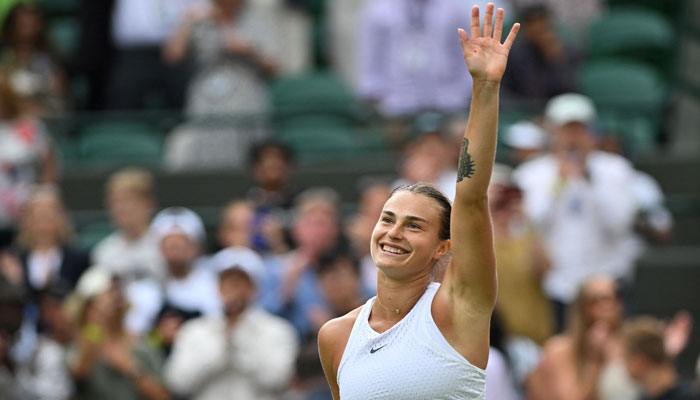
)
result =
(120, 142)
(630, 98)
(64, 34)
(311, 95)
(318, 143)
(633, 32)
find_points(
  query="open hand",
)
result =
(486, 57)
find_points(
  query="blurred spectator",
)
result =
(26, 155)
(580, 200)
(526, 141)
(106, 362)
(132, 252)
(45, 373)
(540, 65)
(241, 226)
(245, 354)
(272, 164)
(649, 364)
(190, 284)
(139, 30)
(233, 48)
(30, 66)
(11, 305)
(359, 227)
(340, 286)
(292, 289)
(48, 259)
(166, 327)
(586, 361)
(499, 384)
(521, 262)
(575, 19)
(309, 382)
(428, 156)
(407, 58)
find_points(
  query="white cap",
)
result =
(570, 107)
(525, 135)
(242, 259)
(179, 220)
(96, 280)
(501, 175)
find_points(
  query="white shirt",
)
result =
(584, 223)
(253, 361)
(43, 267)
(411, 360)
(147, 22)
(198, 291)
(131, 259)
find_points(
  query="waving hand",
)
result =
(486, 57)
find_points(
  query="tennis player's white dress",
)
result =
(411, 360)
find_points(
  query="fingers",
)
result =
(488, 20)
(511, 36)
(475, 28)
(498, 28)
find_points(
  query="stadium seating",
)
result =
(120, 142)
(633, 32)
(630, 97)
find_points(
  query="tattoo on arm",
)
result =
(466, 164)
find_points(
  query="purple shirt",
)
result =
(410, 58)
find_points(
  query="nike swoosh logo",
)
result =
(372, 351)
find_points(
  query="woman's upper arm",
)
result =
(327, 336)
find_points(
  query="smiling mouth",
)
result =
(393, 250)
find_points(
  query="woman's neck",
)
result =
(396, 298)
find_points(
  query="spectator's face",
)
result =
(179, 252)
(236, 291)
(28, 25)
(316, 229)
(573, 137)
(602, 303)
(340, 285)
(272, 172)
(636, 365)
(129, 211)
(54, 316)
(538, 29)
(237, 226)
(45, 220)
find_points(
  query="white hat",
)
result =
(96, 280)
(570, 107)
(179, 220)
(242, 259)
(525, 135)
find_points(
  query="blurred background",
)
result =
(188, 189)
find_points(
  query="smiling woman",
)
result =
(419, 339)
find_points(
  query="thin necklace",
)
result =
(397, 311)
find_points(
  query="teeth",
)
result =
(393, 250)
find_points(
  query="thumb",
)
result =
(464, 37)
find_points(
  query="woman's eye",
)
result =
(387, 220)
(413, 226)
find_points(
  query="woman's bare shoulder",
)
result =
(338, 329)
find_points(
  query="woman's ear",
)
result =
(443, 249)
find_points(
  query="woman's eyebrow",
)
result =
(408, 217)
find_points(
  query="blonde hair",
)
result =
(136, 181)
(44, 193)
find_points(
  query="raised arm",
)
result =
(472, 275)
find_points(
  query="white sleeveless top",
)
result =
(411, 360)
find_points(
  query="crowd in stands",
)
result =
(165, 307)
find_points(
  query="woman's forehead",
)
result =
(404, 203)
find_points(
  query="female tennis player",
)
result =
(419, 339)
